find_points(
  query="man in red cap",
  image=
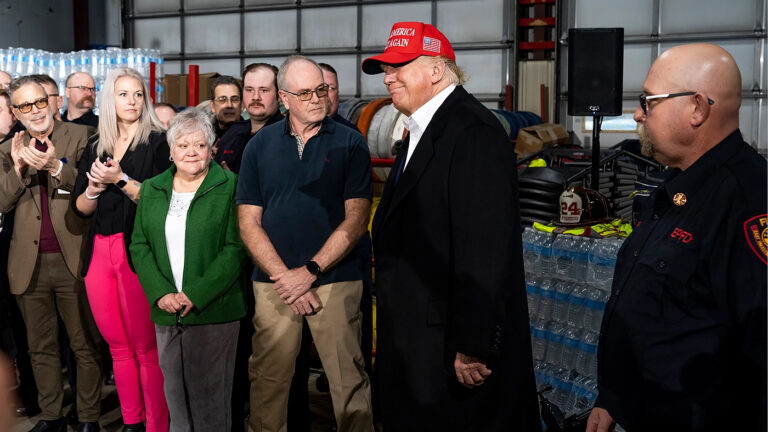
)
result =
(453, 349)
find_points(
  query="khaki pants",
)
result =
(54, 288)
(276, 340)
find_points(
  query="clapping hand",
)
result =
(17, 146)
(41, 161)
(107, 173)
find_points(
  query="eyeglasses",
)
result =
(24, 108)
(644, 99)
(53, 95)
(306, 95)
(224, 99)
(84, 88)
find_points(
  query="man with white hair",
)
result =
(453, 349)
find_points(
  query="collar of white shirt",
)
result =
(417, 123)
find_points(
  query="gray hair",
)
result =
(287, 63)
(108, 132)
(22, 81)
(189, 121)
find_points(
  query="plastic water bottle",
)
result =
(581, 390)
(561, 303)
(562, 381)
(562, 256)
(539, 340)
(543, 243)
(571, 339)
(590, 394)
(577, 299)
(546, 297)
(555, 333)
(580, 257)
(577, 384)
(541, 374)
(602, 262)
(594, 306)
(530, 255)
(586, 361)
(532, 294)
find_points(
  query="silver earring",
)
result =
(170, 158)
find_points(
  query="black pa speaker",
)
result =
(595, 71)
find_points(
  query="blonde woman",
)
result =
(129, 148)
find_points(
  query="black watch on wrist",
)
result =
(313, 268)
(123, 181)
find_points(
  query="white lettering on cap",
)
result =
(397, 42)
(402, 31)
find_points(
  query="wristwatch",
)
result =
(123, 181)
(313, 268)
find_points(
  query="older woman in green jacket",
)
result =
(188, 255)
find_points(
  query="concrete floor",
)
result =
(111, 419)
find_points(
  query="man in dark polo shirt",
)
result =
(303, 202)
(37, 173)
(260, 100)
(81, 98)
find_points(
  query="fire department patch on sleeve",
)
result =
(756, 231)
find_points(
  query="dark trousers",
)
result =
(54, 289)
(198, 364)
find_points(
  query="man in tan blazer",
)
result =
(37, 174)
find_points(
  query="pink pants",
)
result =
(121, 311)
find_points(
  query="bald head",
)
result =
(705, 84)
(5, 80)
(704, 68)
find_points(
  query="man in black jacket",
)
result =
(683, 343)
(81, 98)
(453, 349)
(260, 100)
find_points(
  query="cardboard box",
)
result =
(205, 84)
(534, 138)
(177, 87)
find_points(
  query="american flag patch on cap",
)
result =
(431, 44)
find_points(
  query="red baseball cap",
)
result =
(409, 40)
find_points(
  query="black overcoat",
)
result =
(449, 278)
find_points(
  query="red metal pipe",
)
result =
(152, 81)
(193, 97)
(377, 162)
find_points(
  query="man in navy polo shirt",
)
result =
(303, 202)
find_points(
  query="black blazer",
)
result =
(116, 212)
(449, 277)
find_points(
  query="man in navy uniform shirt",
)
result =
(683, 343)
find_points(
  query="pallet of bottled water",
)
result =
(25, 61)
(568, 283)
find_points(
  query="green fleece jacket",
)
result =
(213, 256)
